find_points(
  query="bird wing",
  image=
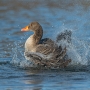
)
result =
(66, 35)
(45, 49)
(46, 46)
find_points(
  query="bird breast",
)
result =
(30, 44)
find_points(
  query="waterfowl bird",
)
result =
(43, 52)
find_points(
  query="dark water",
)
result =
(55, 16)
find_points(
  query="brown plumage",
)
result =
(36, 48)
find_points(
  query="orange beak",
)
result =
(25, 29)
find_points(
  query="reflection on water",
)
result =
(55, 16)
(56, 80)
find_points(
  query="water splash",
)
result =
(77, 50)
(18, 58)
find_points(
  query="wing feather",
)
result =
(44, 49)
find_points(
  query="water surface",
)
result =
(55, 16)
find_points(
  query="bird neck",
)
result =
(33, 40)
(38, 35)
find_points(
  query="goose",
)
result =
(43, 52)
